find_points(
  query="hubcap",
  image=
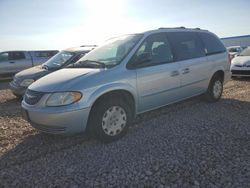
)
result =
(217, 89)
(114, 120)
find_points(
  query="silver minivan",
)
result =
(126, 76)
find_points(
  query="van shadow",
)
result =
(37, 145)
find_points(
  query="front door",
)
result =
(19, 61)
(158, 76)
(6, 66)
(12, 62)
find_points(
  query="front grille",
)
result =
(33, 97)
(241, 72)
(242, 65)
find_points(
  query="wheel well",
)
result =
(123, 94)
(219, 73)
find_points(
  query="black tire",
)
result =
(18, 96)
(95, 124)
(233, 77)
(211, 95)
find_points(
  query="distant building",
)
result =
(236, 41)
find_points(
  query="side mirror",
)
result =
(143, 58)
(140, 60)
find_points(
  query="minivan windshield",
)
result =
(245, 52)
(110, 53)
(58, 60)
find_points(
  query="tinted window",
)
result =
(45, 54)
(156, 48)
(4, 56)
(233, 49)
(16, 55)
(186, 45)
(212, 44)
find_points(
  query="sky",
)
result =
(60, 24)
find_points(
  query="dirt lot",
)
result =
(189, 144)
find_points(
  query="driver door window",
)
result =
(157, 49)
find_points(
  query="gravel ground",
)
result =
(189, 144)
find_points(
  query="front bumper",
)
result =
(56, 120)
(16, 89)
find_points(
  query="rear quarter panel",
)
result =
(219, 62)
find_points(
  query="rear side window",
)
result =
(186, 45)
(45, 54)
(4, 56)
(212, 44)
(16, 55)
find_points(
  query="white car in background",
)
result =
(240, 65)
(234, 50)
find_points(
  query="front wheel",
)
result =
(110, 119)
(215, 89)
(18, 96)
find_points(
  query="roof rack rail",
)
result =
(197, 28)
(89, 45)
(172, 27)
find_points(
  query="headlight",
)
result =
(63, 98)
(26, 82)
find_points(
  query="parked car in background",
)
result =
(244, 47)
(234, 51)
(240, 65)
(61, 60)
(126, 76)
(12, 62)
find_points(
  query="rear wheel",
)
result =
(110, 119)
(215, 89)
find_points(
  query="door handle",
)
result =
(185, 71)
(175, 73)
(11, 62)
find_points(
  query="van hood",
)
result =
(240, 60)
(33, 73)
(61, 80)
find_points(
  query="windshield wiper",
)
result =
(90, 64)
